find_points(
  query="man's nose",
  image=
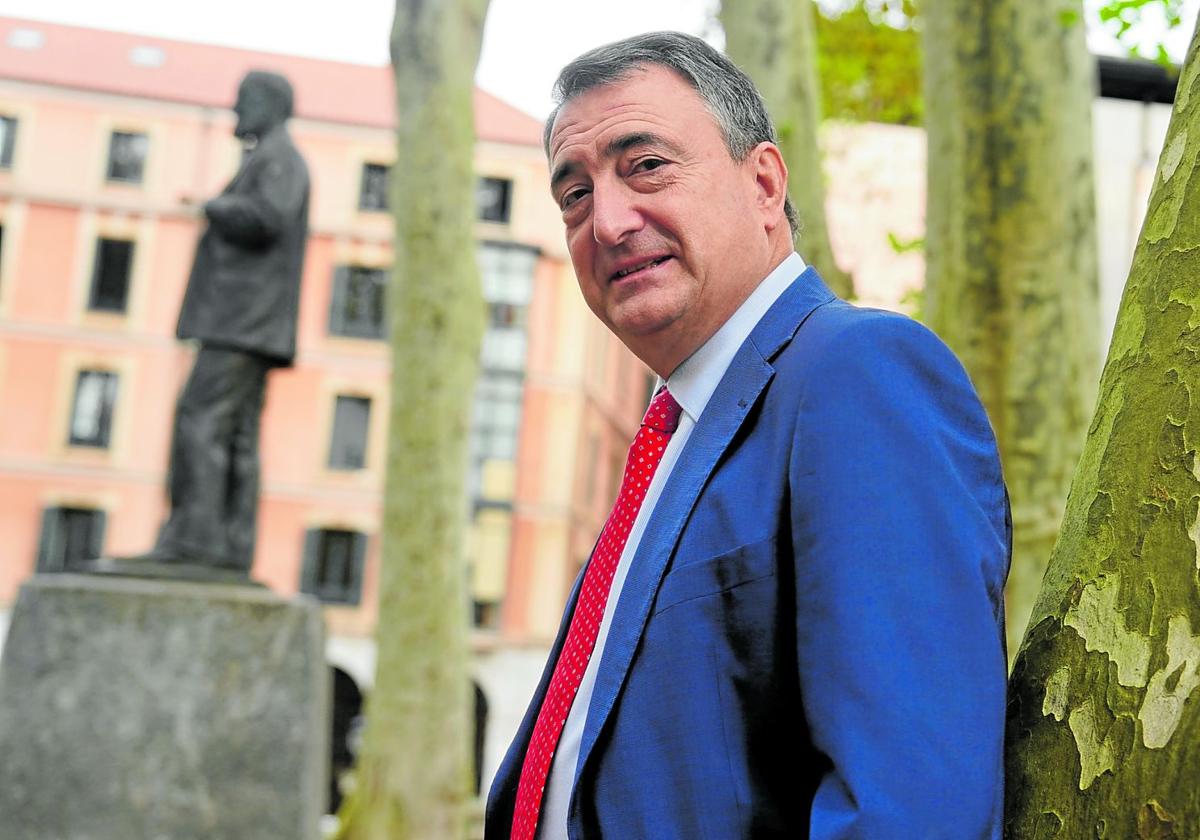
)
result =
(615, 214)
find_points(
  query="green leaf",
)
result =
(902, 247)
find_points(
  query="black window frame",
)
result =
(8, 139)
(500, 210)
(349, 435)
(70, 535)
(374, 187)
(102, 437)
(137, 172)
(492, 435)
(111, 269)
(320, 563)
(485, 615)
(359, 286)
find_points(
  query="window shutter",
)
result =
(96, 535)
(50, 545)
(337, 304)
(97, 273)
(109, 406)
(383, 326)
(358, 558)
(308, 570)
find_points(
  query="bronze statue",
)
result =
(241, 305)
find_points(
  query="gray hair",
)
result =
(726, 91)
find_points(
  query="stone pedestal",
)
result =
(137, 710)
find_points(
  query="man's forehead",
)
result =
(655, 97)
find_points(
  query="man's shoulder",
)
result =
(839, 329)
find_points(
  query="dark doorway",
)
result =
(481, 714)
(347, 722)
(347, 706)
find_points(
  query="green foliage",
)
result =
(869, 57)
(913, 303)
(869, 61)
(901, 246)
(1070, 17)
(1123, 18)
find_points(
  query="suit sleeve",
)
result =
(260, 214)
(900, 523)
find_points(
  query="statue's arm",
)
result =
(258, 215)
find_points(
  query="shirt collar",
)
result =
(693, 382)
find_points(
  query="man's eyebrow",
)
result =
(616, 147)
(561, 172)
(639, 138)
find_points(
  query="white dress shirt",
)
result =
(692, 384)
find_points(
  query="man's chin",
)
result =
(641, 323)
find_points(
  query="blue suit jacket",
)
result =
(810, 640)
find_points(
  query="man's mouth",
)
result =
(625, 272)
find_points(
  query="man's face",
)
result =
(663, 226)
(256, 111)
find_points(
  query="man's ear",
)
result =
(770, 178)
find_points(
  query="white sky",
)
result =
(525, 41)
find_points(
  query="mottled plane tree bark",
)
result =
(1011, 280)
(774, 42)
(1104, 715)
(414, 770)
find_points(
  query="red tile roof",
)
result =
(202, 74)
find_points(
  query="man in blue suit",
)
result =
(792, 625)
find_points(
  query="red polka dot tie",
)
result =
(647, 450)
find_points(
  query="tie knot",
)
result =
(663, 413)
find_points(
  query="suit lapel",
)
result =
(731, 402)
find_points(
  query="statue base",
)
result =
(148, 566)
(137, 708)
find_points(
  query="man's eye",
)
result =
(648, 164)
(571, 196)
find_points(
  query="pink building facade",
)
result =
(108, 143)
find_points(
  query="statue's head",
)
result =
(264, 101)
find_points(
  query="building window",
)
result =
(351, 419)
(504, 349)
(486, 615)
(493, 197)
(374, 192)
(357, 308)
(506, 273)
(497, 414)
(333, 565)
(144, 55)
(70, 537)
(127, 156)
(8, 139)
(91, 413)
(110, 275)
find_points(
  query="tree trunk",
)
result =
(1011, 281)
(414, 770)
(774, 42)
(1104, 721)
